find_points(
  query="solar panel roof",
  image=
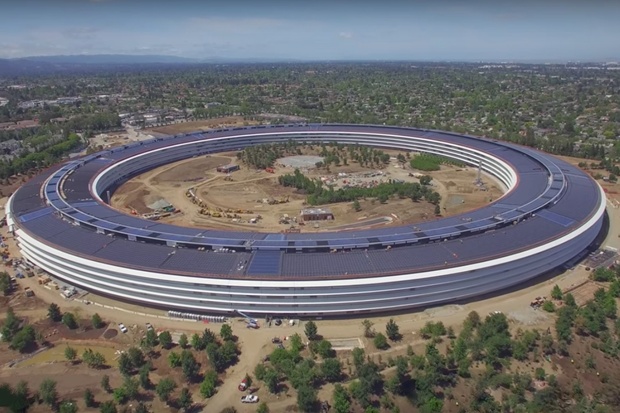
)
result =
(576, 203)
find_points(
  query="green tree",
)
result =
(69, 320)
(96, 321)
(53, 312)
(136, 357)
(548, 306)
(10, 326)
(474, 318)
(197, 343)
(356, 206)
(125, 366)
(189, 365)
(392, 330)
(150, 339)
(259, 371)
(603, 274)
(208, 385)
(540, 373)
(143, 376)
(68, 406)
(569, 300)
(185, 399)
(331, 369)
(556, 292)
(271, 379)
(432, 405)
(108, 407)
(93, 359)
(183, 341)
(380, 341)
(131, 387)
(174, 359)
(22, 392)
(105, 383)
(324, 348)
(341, 399)
(164, 388)
(358, 357)
(215, 357)
(433, 330)
(5, 283)
(295, 343)
(165, 339)
(24, 340)
(226, 332)
(48, 393)
(89, 398)
(208, 337)
(15, 400)
(70, 354)
(306, 398)
(120, 395)
(311, 330)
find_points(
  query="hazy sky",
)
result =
(315, 29)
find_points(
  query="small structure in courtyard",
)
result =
(231, 167)
(316, 214)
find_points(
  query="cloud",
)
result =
(80, 32)
(235, 24)
(346, 35)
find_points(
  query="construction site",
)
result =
(214, 192)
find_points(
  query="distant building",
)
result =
(22, 124)
(316, 214)
(228, 168)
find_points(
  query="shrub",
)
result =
(380, 342)
(69, 320)
(548, 306)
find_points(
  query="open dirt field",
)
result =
(584, 292)
(202, 124)
(168, 182)
(232, 201)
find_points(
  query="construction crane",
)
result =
(251, 322)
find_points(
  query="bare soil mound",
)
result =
(110, 333)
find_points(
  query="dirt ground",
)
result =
(584, 292)
(248, 193)
(202, 124)
(168, 182)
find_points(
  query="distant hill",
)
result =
(105, 59)
(40, 65)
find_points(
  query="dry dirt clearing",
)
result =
(193, 126)
(232, 201)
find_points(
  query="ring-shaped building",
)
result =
(550, 214)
